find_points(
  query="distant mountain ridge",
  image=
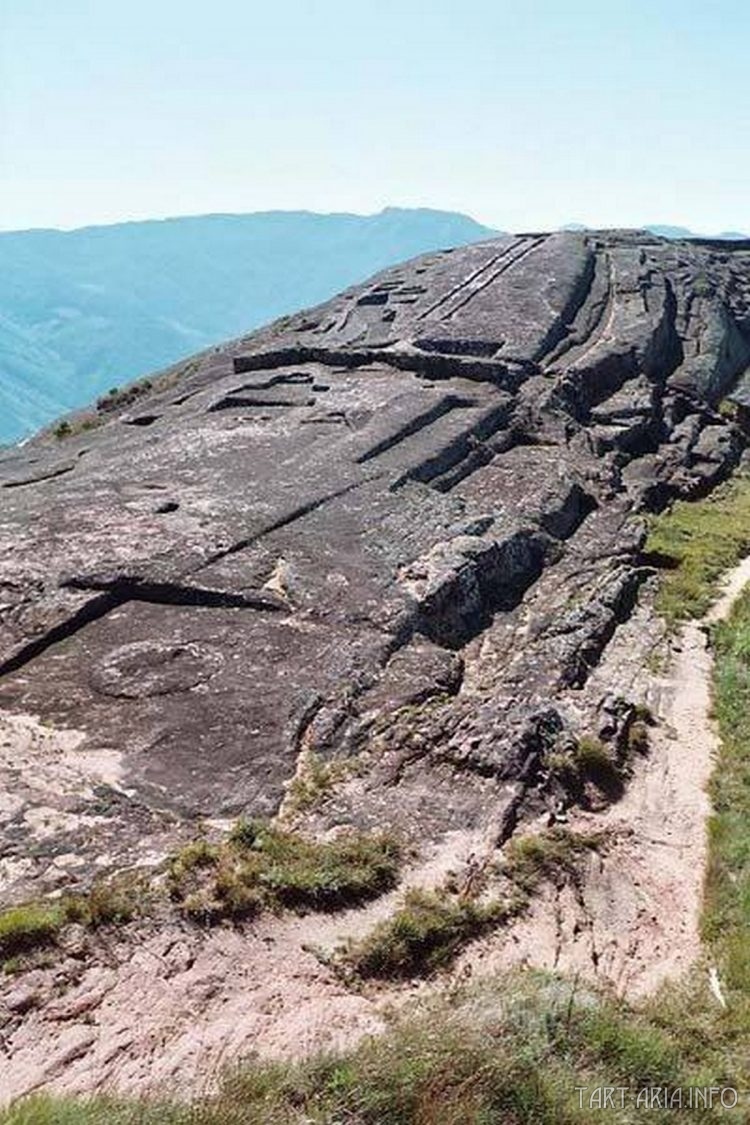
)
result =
(667, 231)
(83, 310)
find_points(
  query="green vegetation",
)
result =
(77, 424)
(117, 398)
(31, 925)
(698, 541)
(554, 856)
(728, 409)
(656, 661)
(638, 739)
(726, 919)
(597, 761)
(314, 779)
(512, 1050)
(261, 865)
(110, 901)
(430, 927)
(589, 759)
(423, 935)
(644, 714)
(258, 866)
(509, 1051)
(298, 260)
(703, 286)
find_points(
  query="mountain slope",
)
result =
(382, 565)
(84, 310)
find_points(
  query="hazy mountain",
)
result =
(83, 310)
(684, 232)
(667, 231)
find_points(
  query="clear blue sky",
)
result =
(524, 114)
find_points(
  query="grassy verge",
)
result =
(703, 540)
(726, 920)
(698, 541)
(510, 1051)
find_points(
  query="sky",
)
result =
(525, 114)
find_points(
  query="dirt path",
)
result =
(634, 920)
(165, 1009)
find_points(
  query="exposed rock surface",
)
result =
(407, 522)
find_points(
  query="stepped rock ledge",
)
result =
(407, 523)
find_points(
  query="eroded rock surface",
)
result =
(405, 523)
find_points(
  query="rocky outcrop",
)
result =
(404, 525)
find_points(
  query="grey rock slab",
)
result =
(408, 516)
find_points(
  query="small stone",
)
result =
(22, 999)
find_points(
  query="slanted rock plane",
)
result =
(491, 424)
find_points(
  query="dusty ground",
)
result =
(634, 920)
(166, 1009)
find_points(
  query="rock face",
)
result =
(406, 523)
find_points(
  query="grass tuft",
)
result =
(33, 925)
(423, 935)
(554, 856)
(589, 760)
(314, 780)
(29, 925)
(262, 865)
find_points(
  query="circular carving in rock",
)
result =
(147, 668)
